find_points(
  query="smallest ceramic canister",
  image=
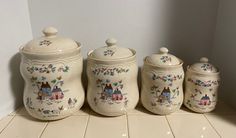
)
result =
(201, 89)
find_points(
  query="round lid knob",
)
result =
(163, 58)
(50, 31)
(163, 50)
(111, 51)
(203, 66)
(111, 42)
(204, 60)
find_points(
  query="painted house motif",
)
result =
(117, 95)
(165, 95)
(205, 100)
(46, 92)
(110, 93)
(56, 93)
(107, 92)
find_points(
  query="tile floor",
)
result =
(138, 123)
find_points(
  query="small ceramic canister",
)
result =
(51, 67)
(112, 79)
(202, 82)
(162, 80)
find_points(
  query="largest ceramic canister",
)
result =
(162, 80)
(112, 79)
(51, 67)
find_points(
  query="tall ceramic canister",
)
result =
(51, 67)
(202, 82)
(112, 79)
(162, 80)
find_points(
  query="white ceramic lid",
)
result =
(111, 51)
(203, 66)
(163, 58)
(50, 43)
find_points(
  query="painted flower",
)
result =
(165, 59)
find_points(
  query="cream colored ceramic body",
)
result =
(53, 88)
(162, 90)
(112, 84)
(201, 88)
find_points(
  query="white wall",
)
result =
(224, 50)
(185, 26)
(15, 30)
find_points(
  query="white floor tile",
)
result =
(151, 126)
(184, 110)
(225, 125)
(4, 122)
(70, 127)
(106, 127)
(223, 109)
(23, 127)
(191, 126)
(139, 110)
(142, 123)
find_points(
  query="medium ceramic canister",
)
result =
(112, 79)
(51, 67)
(202, 82)
(162, 80)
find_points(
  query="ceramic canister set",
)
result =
(52, 67)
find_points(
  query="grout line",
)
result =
(79, 115)
(170, 126)
(127, 124)
(212, 125)
(14, 113)
(86, 127)
(8, 124)
(43, 130)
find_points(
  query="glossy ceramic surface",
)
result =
(51, 67)
(112, 83)
(202, 82)
(161, 90)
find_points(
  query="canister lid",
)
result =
(50, 43)
(203, 66)
(111, 52)
(163, 58)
